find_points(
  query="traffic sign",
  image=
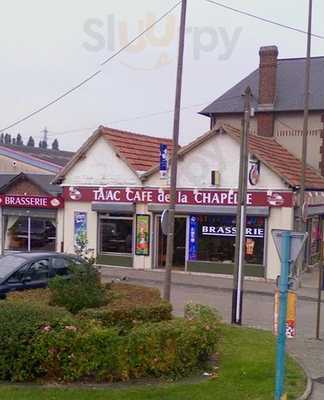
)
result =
(298, 240)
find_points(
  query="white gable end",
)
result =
(101, 166)
(221, 153)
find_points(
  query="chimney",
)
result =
(267, 89)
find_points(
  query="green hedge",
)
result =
(126, 317)
(48, 343)
(19, 325)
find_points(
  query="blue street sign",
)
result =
(164, 160)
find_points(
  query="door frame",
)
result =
(157, 220)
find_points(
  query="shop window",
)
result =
(215, 240)
(29, 233)
(116, 234)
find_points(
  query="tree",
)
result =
(19, 141)
(55, 145)
(31, 142)
(14, 141)
(2, 138)
(7, 138)
(44, 144)
(40, 144)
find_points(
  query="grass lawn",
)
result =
(246, 372)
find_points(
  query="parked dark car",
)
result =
(23, 271)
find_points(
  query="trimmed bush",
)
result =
(166, 349)
(82, 290)
(49, 343)
(126, 318)
(19, 325)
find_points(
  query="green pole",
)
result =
(281, 340)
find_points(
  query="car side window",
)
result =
(38, 270)
(18, 275)
(61, 266)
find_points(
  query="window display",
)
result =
(116, 233)
(215, 239)
(29, 233)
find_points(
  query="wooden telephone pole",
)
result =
(174, 159)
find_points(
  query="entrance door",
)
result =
(179, 251)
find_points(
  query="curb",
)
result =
(197, 286)
(309, 386)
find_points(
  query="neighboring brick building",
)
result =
(278, 102)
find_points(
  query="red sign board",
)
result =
(184, 196)
(19, 201)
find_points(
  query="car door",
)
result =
(37, 274)
(60, 266)
(15, 281)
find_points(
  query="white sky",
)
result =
(43, 53)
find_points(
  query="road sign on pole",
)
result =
(297, 242)
(289, 245)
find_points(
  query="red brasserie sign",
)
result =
(184, 196)
(19, 201)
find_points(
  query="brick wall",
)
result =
(26, 188)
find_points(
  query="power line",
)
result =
(82, 83)
(141, 34)
(138, 117)
(269, 21)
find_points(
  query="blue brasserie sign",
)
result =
(193, 238)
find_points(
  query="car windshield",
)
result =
(9, 264)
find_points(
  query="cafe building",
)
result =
(115, 190)
(31, 211)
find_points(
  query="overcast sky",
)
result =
(49, 46)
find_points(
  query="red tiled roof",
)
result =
(280, 160)
(142, 152)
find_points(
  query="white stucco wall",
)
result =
(280, 218)
(70, 208)
(221, 153)
(101, 166)
(292, 138)
(59, 228)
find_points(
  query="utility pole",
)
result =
(302, 224)
(174, 159)
(320, 286)
(237, 297)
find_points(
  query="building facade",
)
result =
(278, 104)
(114, 199)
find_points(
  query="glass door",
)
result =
(179, 251)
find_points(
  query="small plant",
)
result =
(201, 312)
(82, 289)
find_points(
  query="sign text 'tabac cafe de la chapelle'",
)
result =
(184, 196)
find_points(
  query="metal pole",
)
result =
(320, 283)
(281, 339)
(302, 224)
(174, 159)
(237, 297)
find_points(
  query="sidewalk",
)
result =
(308, 291)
